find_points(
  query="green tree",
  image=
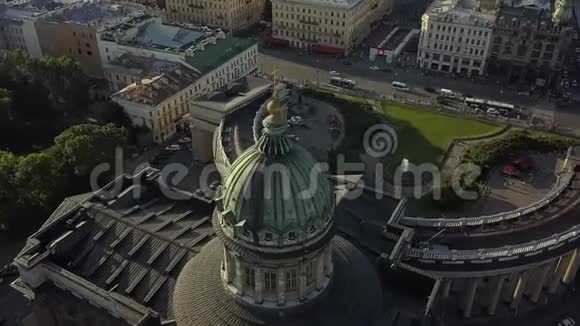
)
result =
(85, 146)
(5, 105)
(40, 177)
(8, 188)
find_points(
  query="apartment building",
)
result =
(72, 31)
(326, 26)
(156, 67)
(144, 47)
(229, 15)
(456, 36)
(18, 23)
(160, 102)
(531, 40)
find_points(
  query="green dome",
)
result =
(276, 186)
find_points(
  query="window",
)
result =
(312, 229)
(270, 280)
(250, 278)
(291, 280)
(268, 237)
(310, 273)
(292, 236)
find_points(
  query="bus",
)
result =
(342, 82)
(400, 86)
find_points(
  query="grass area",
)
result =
(425, 136)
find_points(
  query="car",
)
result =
(374, 68)
(173, 148)
(294, 137)
(430, 90)
(334, 73)
(567, 322)
(493, 112)
(185, 140)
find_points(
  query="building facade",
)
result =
(531, 43)
(230, 15)
(18, 25)
(326, 26)
(455, 37)
(72, 31)
(156, 75)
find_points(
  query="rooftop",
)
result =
(153, 91)
(133, 246)
(215, 54)
(146, 66)
(25, 9)
(460, 12)
(149, 32)
(103, 13)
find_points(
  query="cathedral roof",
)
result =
(276, 186)
(353, 299)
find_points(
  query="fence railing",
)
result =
(562, 184)
(489, 255)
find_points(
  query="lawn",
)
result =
(425, 136)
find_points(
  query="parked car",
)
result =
(567, 322)
(173, 148)
(374, 68)
(431, 90)
(493, 112)
(185, 140)
(334, 73)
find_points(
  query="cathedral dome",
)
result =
(275, 195)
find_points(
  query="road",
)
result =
(294, 66)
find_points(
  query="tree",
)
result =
(5, 105)
(8, 188)
(41, 179)
(85, 146)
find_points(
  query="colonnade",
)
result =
(508, 288)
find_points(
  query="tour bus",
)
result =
(342, 82)
(400, 86)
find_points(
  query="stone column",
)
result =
(572, 268)
(281, 286)
(496, 290)
(301, 282)
(446, 289)
(511, 287)
(319, 270)
(259, 289)
(240, 276)
(227, 267)
(559, 273)
(328, 261)
(540, 281)
(519, 290)
(470, 291)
